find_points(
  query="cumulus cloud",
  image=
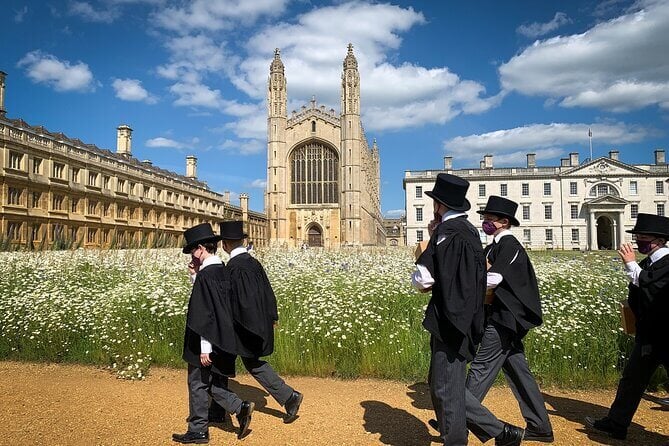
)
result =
(215, 15)
(534, 30)
(546, 140)
(60, 75)
(87, 12)
(258, 183)
(161, 142)
(394, 213)
(244, 146)
(617, 65)
(132, 90)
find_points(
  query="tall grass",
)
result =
(344, 314)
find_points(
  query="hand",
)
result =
(425, 290)
(205, 360)
(626, 253)
(432, 225)
(193, 266)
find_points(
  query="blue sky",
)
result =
(437, 78)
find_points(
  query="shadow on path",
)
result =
(576, 411)
(420, 396)
(256, 394)
(396, 426)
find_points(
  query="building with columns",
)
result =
(582, 206)
(58, 192)
(323, 180)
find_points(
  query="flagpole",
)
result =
(590, 138)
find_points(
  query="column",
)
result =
(593, 231)
(614, 238)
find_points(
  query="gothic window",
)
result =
(314, 177)
(603, 189)
(313, 126)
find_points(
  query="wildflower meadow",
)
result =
(346, 314)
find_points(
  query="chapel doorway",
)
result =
(315, 236)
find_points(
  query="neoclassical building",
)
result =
(586, 206)
(60, 192)
(322, 177)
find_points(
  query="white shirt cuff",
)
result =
(205, 346)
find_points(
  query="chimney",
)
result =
(123, 140)
(573, 159)
(487, 161)
(531, 160)
(481, 164)
(2, 94)
(659, 157)
(244, 204)
(613, 154)
(191, 167)
(448, 163)
(564, 162)
(226, 196)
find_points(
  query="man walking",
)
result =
(210, 343)
(255, 314)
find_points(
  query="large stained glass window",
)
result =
(314, 175)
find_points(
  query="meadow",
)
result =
(346, 314)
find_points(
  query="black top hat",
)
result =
(197, 235)
(450, 191)
(501, 207)
(232, 230)
(651, 224)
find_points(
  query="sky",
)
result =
(458, 78)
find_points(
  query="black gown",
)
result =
(516, 305)
(650, 304)
(454, 314)
(255, 310)
(210, 315)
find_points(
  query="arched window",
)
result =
(313, 126)
(314, 175)
(602, 189)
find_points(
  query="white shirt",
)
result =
(421, 279)
(205, 346)
(238, 250)
(494, 279)
(632, 269)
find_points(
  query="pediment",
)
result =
(607, 200)
(604, 166)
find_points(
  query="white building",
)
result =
(572, 206)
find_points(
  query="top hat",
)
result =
(450, 191)
(502, 207)
(197, 235)
(232, 230)
(651, 224)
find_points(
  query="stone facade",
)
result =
(395, 231)
(57, 191)
(323, 180)
(585, 206)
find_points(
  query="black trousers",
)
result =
(643, 362)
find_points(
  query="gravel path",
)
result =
(49, 404)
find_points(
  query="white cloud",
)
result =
(196, 95)
(215, 15)
(87, 12)
(546, 140)
(394, 213)
(258, 183)
(161, 142)
(132, 90)
(20, 14)
(244, 146)
(617, 65)
(61, 75)
(534, 30)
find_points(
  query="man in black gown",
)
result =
(512, 309)
(210, 343)
(648, 297)
(255, 314)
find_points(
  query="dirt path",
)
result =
(46, 404)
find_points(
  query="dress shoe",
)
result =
(608, 426)
(244, 418)
(292, 406)
(191, 437)
(510, 436)
(656, 399)
(535, 435)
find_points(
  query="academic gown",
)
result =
(454, 314)
(516, 305)
(255, 310)
(210, 315)
(650, 304)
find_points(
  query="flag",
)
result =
(589, 133)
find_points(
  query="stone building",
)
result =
(323, 180)
(395, 231)
(58, 191)
(586, 206)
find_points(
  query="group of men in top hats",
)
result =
(484, 302)
(231, 312)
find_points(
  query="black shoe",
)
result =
(434, 424)
(608, 426)
(292, 406)
(244, 418)
(510, 436)
(191, 437)
(534, 435)
(656, 399)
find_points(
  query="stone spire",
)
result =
(350, 61)
(277, 65)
